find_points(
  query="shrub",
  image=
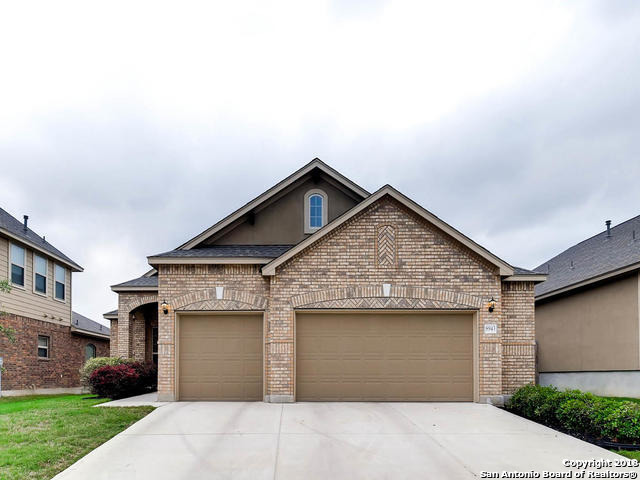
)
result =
(622, 424)
(148, 373)
(97, 362)
(579, 413)
(114, 381)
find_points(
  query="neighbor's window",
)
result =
(89, 351)
(60, 276)
(17, 265)
(315, 205)
(43, 346)
(39, 274)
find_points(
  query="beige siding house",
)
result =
(319, 290)
(588, 314)
(52, 341)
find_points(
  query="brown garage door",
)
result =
(220, 357)
(384, 357)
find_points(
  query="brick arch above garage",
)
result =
(399, 296)
(219, 298)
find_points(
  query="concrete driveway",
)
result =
(329, 441)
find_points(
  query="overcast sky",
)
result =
(126, 129)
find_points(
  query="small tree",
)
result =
(8, 332)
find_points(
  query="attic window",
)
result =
(315, 210)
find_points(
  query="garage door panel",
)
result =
(384, 357)
(220, 357)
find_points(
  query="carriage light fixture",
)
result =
(491, 304)
(165, 307)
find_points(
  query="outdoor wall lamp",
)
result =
(165, 307)
(491, 304)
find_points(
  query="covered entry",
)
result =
(395, 356)
(220, 356)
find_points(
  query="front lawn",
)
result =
(42, 435)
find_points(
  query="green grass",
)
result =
(628, 453)
(42, 435)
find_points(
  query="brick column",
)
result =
(166, 356)
(518, 336)
(138, 337)
(123, 348)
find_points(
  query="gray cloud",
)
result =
(527, 168)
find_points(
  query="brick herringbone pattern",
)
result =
(386, 245)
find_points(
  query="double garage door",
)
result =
(339, 357)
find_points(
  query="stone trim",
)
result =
(207, 299)
(372, 296)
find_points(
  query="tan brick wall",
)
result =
(385, 244)
(113, 346)
(350, 256)
(193, 287)
(518, 335)
(129, 335)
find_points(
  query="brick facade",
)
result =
(385, 257)
(518, 336)
(24, 370)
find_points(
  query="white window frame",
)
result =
(307, 214)
(66, 294)
(24, 266)
(46, 274)
(47, 348)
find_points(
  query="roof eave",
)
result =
(315, 163)
(106, 316)
(208, 260)
(589, 281)
(504, 268)
(89, 333)
(74, 267)
(133, 288)
(536, 278)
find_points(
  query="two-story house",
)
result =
(51, 341)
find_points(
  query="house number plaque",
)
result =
(490, 328)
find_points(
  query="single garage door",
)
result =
(384, 357)
(220, 357)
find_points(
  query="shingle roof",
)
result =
(139, 282)
(261, 251)
(524, 271)
(593, 257)
(83, 323)
(112, 313)
(15, 227)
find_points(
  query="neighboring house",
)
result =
(318, 290)
(51, 341)
(587, 314)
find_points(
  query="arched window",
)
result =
(89, 351)
(315, 210)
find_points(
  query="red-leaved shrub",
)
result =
(114, 381)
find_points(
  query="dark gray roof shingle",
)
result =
(15, 227)
(83, 323)
(592, 257)
(262, 251)
(140, 282)
(524, 271)
(111, 313)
